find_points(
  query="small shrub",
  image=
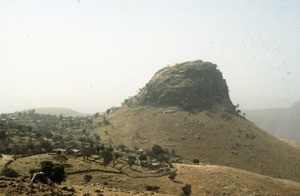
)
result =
(152, 188)
(186, 190)
(61, 158)
(107, 157)
(9, 172)
(172, 175)
(196, 161)
(122, 147)
(131, 161)
(168, 169)
(106, 122)
(156, 149)
(87, 178)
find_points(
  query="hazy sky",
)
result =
(89, 55)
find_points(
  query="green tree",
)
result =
(87, 152)
(55, 172)
(89, 121)
(108, 111)
(58, 174)
(99, 148)
(142, 158)
(131, 161)
(96, 115)
(3, 135)
(9, 172)
(46, 145)
(61, 158)
(117, 155)
(157, 150)
(57, 138)
(122, 147)
(107, 157)
(82, 140)
(30, 145)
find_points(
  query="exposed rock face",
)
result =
(194, 85)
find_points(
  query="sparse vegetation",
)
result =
(152, 188)
(186, 190)
(107, 157)
(9, 172)
(196, 161)
(61, 158)
(87, 178)
(172, 175)
(131, 161)
(119, 149)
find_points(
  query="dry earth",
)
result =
(295, 144)
(205, 180)
(216, 137)
(218, 180)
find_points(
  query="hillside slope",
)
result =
(218, 180)
(282, 122)
(214, 138)
(187, 108)
(204, 180)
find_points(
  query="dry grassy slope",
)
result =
(217, 180)
(222, 139)
(295, 144)
(204, 179)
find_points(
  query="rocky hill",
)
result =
(186, 108)
(192, 86)
(281, 122)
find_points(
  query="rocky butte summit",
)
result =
(186, 109)
(193, 86)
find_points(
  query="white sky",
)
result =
(89, 55)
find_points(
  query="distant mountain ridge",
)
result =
(281, 122)
(58, 111)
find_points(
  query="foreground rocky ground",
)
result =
(22, 186)
(204, 179)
